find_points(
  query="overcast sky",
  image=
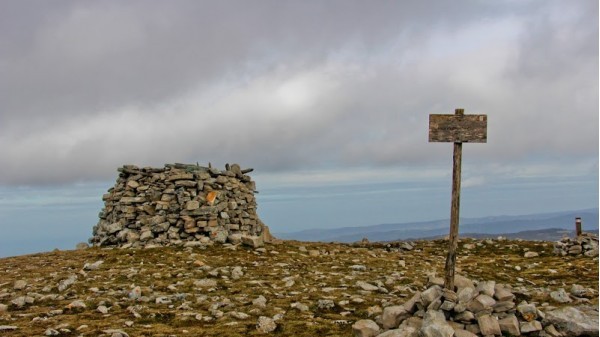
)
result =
(316, 96)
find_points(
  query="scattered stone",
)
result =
(314, 253)
(8, 327)
(237, 273)
(20, 285)
(260, 302)
(66, 283)
(93, 266)
(205, 283)
(51, 332)
(115, 333)
(239, 315)
(531, 254)
(76, 306)
(366, 286)
(560, 296)
(299, 306)
(358, 267)
(102, 309)
(325, 304)
(135, 293)
(22, 301)
(266, 325)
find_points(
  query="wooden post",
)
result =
(577, 226)
(454, 213)
(458, 128)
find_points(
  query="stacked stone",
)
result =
(484, 309)
(177, 204)
(585, 244)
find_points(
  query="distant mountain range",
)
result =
(543, 226)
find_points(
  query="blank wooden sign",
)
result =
(458, 128)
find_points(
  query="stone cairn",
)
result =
(483, 308)
(179, 204)
(584, 244)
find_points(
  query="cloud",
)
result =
(290, 86)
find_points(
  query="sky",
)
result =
(327, 100)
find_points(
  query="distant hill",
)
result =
(543, 226)
(550, 234)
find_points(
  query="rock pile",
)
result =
(179, 204)
(474, 309)
(585, 244)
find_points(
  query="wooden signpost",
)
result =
(458, 128)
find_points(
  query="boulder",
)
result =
(365, 328)
(252, 241)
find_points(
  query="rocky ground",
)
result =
(285, 289)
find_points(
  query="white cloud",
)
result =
(104, 85)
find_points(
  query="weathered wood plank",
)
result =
(458, 128)
(454, 218)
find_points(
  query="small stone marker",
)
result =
(577, 226)
(458, 128)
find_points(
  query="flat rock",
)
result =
(366, 286)
(205, 283)
(573, 321)
(531, 254)
(560, 296)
